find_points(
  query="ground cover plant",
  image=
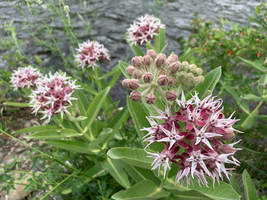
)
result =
(175, 138)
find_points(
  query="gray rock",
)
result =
(111, 18)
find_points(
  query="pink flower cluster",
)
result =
(25, 77)
(144, 29)
(53, 95)
(91, 52)
(194, 139)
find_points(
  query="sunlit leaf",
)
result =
(115, 168)
(249, 187)
(144, 190)
(131, 156)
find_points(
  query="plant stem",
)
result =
(54, 188)
(98, 81)
(252, 114)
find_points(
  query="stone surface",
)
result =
(19, 192)
(111, 18)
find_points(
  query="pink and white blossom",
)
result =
(195, 138)
(25, 77)
(90, 53)
(53, 95)
(144, 29)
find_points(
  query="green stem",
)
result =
(98, 81)
(252, 114)
(78, 126)
(54, 188)
(91, 135)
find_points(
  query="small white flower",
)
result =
(25, 77)
(160, 160)
(90, 53)
(172, 136)
(203, 136)
(144, 29)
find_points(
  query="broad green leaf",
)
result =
(120, 119)
(234, 184)
(36, 128)
(140, 174)
(17, 104)
(249, 187)
(115, 168)
(221, 191)
(95, 171)
(95, 107)
(211, 80)
(138, 114)
(144, 190)
(137, 50)
(237, 98)
(54, 134)
(149, 175)
(131, 156)
(134, 173)
(189, 195)
(74, 146)
(254, 65)
(251, 97)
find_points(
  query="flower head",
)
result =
(25, 77)
(199, 129)
(90, 53)
(53, 95)
(154, 74)
(144, 29)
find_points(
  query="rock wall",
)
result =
(111, 18)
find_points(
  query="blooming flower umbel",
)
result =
(90, 53)
(144, 29)
(53, 95)
(25, 77)
(199, 130)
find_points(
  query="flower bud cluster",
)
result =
(190, 75)
(90, 53)
(25, 77)
(158, 73)
(144, 29)
(195, 140)
(53, 95)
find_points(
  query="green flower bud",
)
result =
(192, 68)
(199, 71)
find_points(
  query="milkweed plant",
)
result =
(186, 143)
